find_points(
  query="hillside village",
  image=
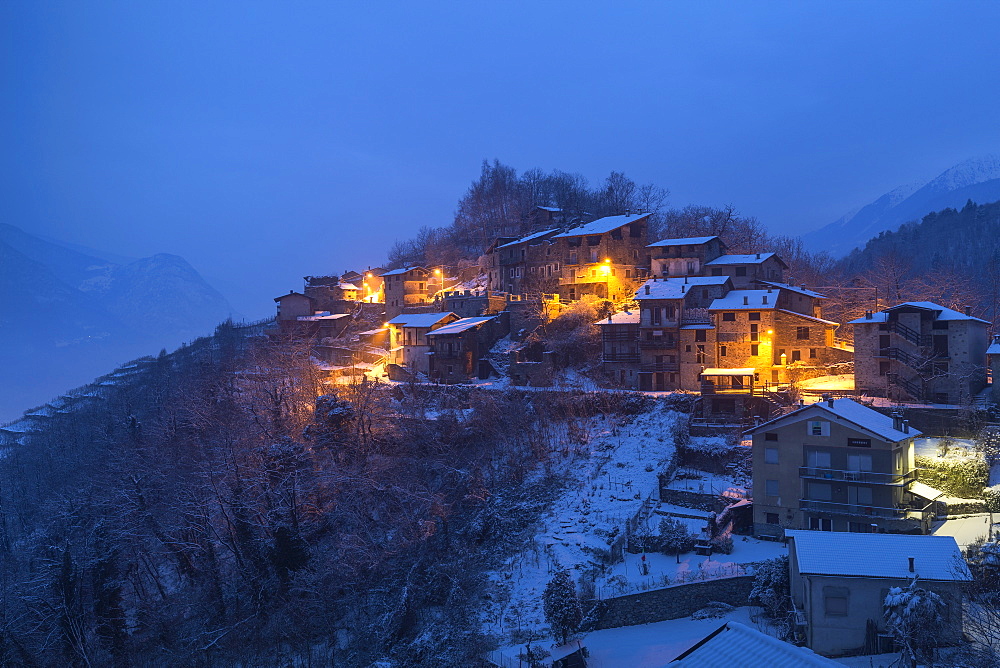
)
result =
(797, 437)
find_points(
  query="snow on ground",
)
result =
(966, 529)
(648, 645)
(606, 489)
(822, 383)
(929, 446)
(665, 571)
(693, 480)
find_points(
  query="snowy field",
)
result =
(605, 489)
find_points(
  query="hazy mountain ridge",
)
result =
(68, 316)
(977, 179)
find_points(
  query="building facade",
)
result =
(920, 352)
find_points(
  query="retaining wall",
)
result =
(672, 602)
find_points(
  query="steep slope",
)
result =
(977, 179)
(65, 315)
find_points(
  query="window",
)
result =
(821, 524)
(729, 317)
(753, 315)
(718, 272)
(860, 443)
(812, 353)
(722, 351)
(859, 462)
(771, 488)
(859, 496)
(796, 355)
(818, 428)
(700, 334)
(835, 601)
(754, 349)
(770, 436)
(741, 271)
(818, 459)
(770, 518)
(690, 267)
(770, 455)
(594, 254)
(700, 354)
(802, 332)
(819, 491)
(862, 527)
(883, 368)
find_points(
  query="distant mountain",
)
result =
(66, 316)
(977, 179)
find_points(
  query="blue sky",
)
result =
(266, 141)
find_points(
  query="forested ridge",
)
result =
(218, 507)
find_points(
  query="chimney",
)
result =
(685, 279)
(764, 298)
(769, 289)
(802, 403)
(682, 288)
(803, 286)
(758, 256)
(628, 212)
(829, 401)
(906, 426)
(647, 287)
(897, 421)
(968, 310)
(746, 301)
(868, 315)
(911, 564)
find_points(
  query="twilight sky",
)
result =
(266, 141)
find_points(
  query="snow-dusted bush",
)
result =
(562, 606)
(713, 610)
(723, 544)
(912, 615)
(675, 537)
(772, 587)
(963, 477)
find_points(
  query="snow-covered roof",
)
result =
(372, 332)
(687, 241)
(530, 237)
(943, 313)
(621, 318)
(888, 555)
(751, 258)
(735, 644)
(324, 316)
(460, 326)
(924, 491)
(756, 300)
(552, 209)
(811, 318)
(602, 225)
(348, 286)
(868, 419)
(419, 319)
(676, 287)
(994, 349)
(291, 293)
(402, 270)
(801, 289)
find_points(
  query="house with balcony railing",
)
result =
(837, 465)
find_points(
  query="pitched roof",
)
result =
(836, 553)
(402, 270)
(671, 288)
(621, 318)
(801, 289)
(530, 237)
(292, 293)
(994, 348)
(810, 318)
(868, 419)
(419, 319)
(943, 313)
(751, 258)
(735, 644)
(460, 326)
(756, 300)
(602, 225)
(687, 241)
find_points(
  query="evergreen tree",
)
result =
(562, 606)
(912, 615)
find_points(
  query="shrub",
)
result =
(771, 587)
(963, 477)
(723, 544)
(675, 537)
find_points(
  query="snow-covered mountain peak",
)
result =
(970, 172)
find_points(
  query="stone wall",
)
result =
(672, 602)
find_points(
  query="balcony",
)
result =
(852, 509)
(632, 358)
(870, 477)
(659, 342)
(659, 366)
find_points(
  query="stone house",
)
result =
(458, 348)
(839, 583)
(293, 305)
(468, 303)
(603, 257)
(332, 293)
(746, 269)
(409, 287)
(683, 257)
(620, 347)
(836, 465)
(408, 343)
(526, 264)
(920, 352)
